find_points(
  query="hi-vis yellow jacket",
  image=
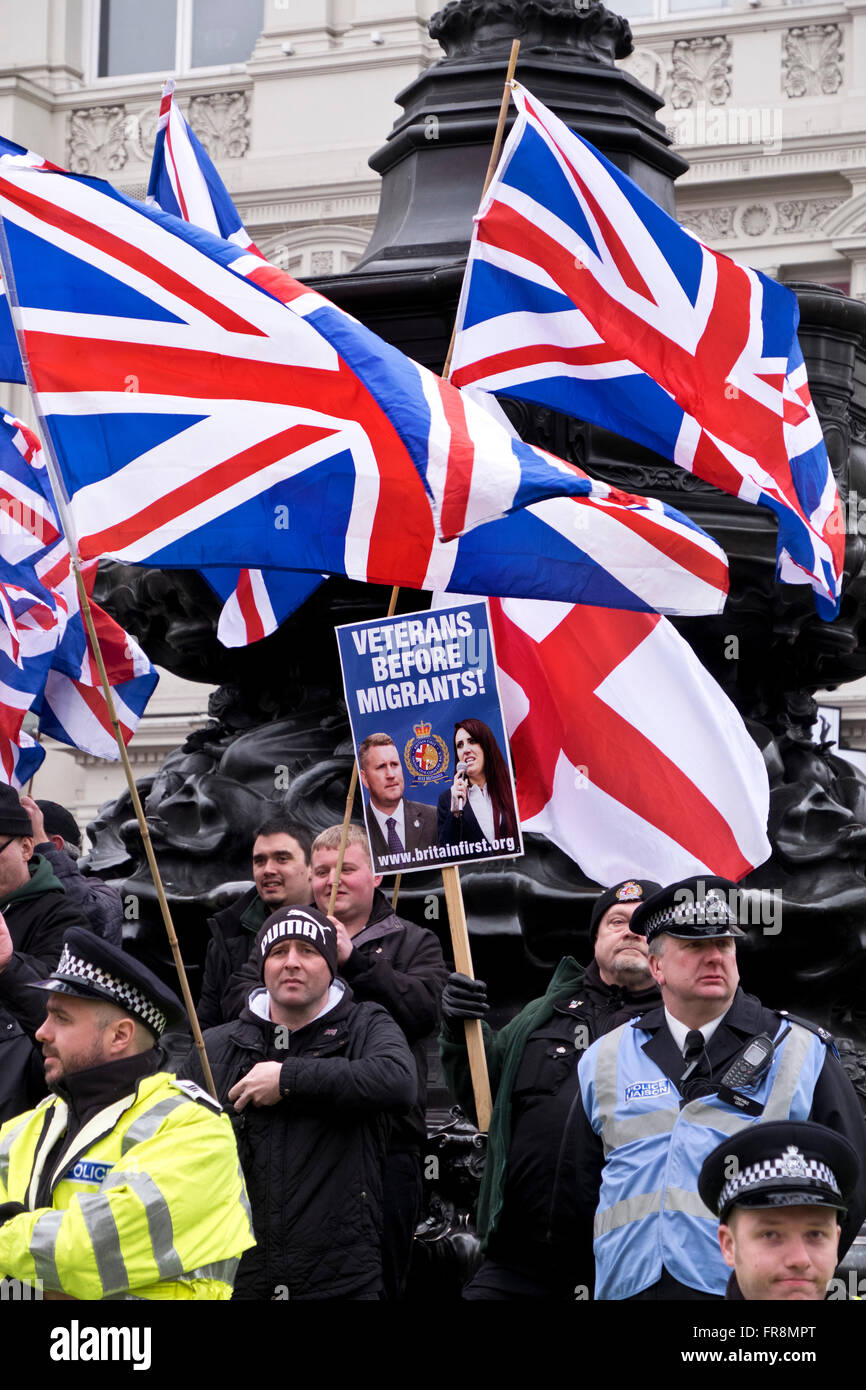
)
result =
(148, 1203)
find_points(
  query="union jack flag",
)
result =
(199, 423)
(190, 411)
(582, 294)
(11, 366)
(57, 667)
(184, 182)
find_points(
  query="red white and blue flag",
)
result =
(11, 366)
(627, 754)
(190, 412)
(198, 422)
(583, 295)
(185, 182)
(57, 667)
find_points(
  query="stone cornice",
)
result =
(733, 22)
(337, 61)
(335, 204)
(812, 153)
(134, 91)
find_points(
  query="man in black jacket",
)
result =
(281, 875)
(37, 912)
(313, 1076)
(399, 965)
(525, 1216)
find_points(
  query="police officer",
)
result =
(779, 1191)
(660, 1093)
(525, 1215)
(124, 1183)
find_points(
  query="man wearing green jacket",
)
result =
(532, 1241)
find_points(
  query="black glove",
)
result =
(464, 997)
(10, 1209)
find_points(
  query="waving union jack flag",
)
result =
(191, 413)
(46, 659)
(184, 181)
(584, 295)
(199, 422)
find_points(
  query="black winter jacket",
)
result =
(313, 1162)
(398, 965)
(101, 903)
(38, 916)
(233, 933)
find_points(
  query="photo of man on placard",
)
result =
(394, 825)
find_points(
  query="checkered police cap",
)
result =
(696, 908)
(90, 968)
(779, 1163)
(776, 1174)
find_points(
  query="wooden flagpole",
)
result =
(450, 876)
(350, 796)
(87, 614)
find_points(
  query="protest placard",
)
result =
(427, 725)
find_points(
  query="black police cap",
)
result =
(694, 909)
(90, 968)
(779, 1163)
(630, 890)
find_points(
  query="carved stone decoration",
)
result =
(221, 121)
(140, 132)
(817, 209)
(470, 28)
(711, 224)
(321, 262)
(755, 219)
(96, 140)
(701, 70)
(804, 214)
(790, 214)
(812, 60)
(648, 67)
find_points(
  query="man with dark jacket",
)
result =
(281, 876)
(37, 913)
(392, 962)
(56, 836)
(313, 1076)
(526, 1217)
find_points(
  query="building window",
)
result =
(172, 36)
(665, 9)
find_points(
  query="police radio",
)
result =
(750, 1066)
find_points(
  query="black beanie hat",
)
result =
(300, 923)
(14, 820)
(631, 890)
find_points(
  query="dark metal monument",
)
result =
(279, 732)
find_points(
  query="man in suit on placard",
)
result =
(396, 826)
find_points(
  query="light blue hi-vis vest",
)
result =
(649, 1213)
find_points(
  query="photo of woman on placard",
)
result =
(478, 806)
